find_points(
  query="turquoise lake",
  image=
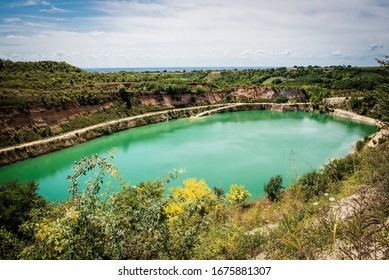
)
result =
(245, 148)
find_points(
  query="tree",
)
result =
(383, 94)
(384, 63)
(124, 95)
(274, 188)
(16, 202)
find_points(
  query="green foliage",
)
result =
(124, 95)
(200, 89)
(382, 95)
(16, 202)
(384, 63)
(340, 168)
(219, 192)
(93, 185)
(138, 225)
(237, 195)
(317, 182)
(312, 184)
(274, 188)
(359, 146)
(276, 81)
(10, 245)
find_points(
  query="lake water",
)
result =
(245, 148)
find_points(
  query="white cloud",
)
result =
(337, 53)
(35, 25)
(28, 3)
(25, 3)
(287, 52)
(375, 47)
(246, 53)
(197, 32)
(11, 20)
(251, 53)
(54, 9)
(17, 37)
(96, 33)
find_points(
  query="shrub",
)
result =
(274, 188)
(340, 169)
(312, 184)
(199, 89)
(276, 81)
(237, 195)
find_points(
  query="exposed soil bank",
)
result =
(33, 149)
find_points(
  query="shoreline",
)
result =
(13, 154)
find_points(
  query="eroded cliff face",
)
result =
(181, 100)
(239, 95)
(271, 94)
(37, 115)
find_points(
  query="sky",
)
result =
(198, 33)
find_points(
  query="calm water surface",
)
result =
(245, 148)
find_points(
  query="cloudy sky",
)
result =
(152, 33)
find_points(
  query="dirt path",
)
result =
(210, 112)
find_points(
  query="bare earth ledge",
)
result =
(24, 151)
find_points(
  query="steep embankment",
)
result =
(40, 147)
